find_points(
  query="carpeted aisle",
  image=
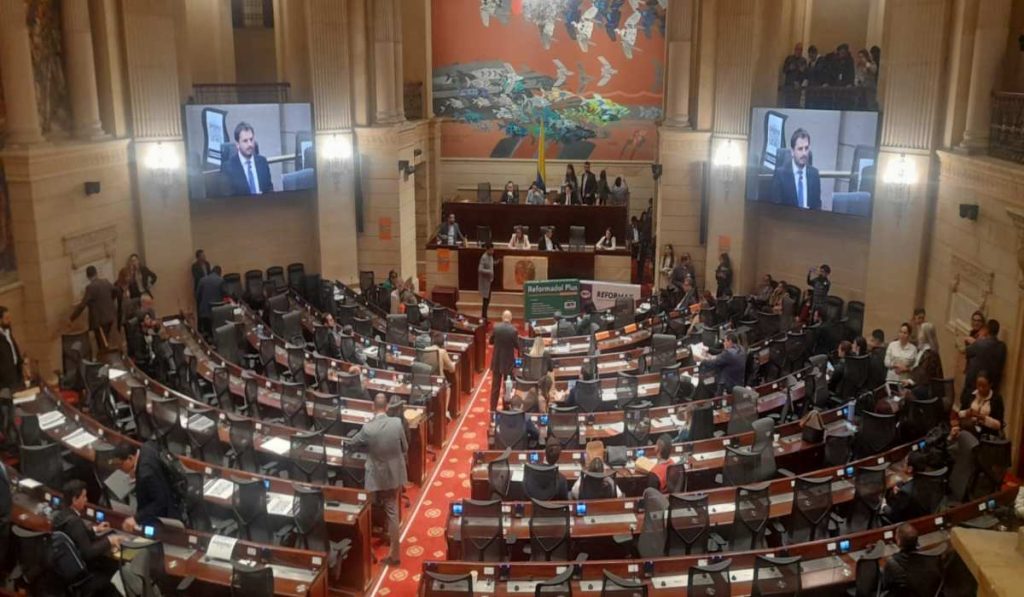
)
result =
(423, 534)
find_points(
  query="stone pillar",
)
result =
(1013, 382)
(914, 60)
(387, 62)
(362, 99)
(989, 50)
(680, 59)
(16, 68)
(80, 67)
(702, 79)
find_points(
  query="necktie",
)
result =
(800, 187)
(248, 174)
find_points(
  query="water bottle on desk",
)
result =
(508, 390)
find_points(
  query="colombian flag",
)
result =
(541, 171)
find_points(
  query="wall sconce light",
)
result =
(728, 160)
(336, 149)
(900, 174)
(163, 162)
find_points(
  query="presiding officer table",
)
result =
(502, 219)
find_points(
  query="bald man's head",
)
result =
(506, 316)
(380, 402)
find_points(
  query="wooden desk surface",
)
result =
(503, 218)
(993, 558)
(560, 264)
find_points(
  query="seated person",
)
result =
(903, 573)
(729, 367)
(96, 551)
(519, 240)
(552, 452)
(899, 504)
(534, 196)
(449, 232)
(607, 242)
(596, 466)
(509, 195)
(765, 369)
(586, 375)
(984, 416)
(839, 370)
(660, 470)
(549, 394)
(876, 363)
(348, 350)
(548, 242)
(689, 297)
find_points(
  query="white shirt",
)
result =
(606, 243)
(797, 183)
(251, 163)
(899, 355)
(512, 244)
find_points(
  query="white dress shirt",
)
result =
(896, 354)
(797, 183)
(525, 244)
(606, 243)
(14, 351)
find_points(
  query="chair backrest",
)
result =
(232, 286)
(627, 389)
(226, 338)
(249, 506)
(588, 395)
(534, 368)
(560, 584)
(744, 410)
(624, 311)
(447, 585)
(812, 503)
(397, 329)
(241, 432)
(563, 427)
(308, 457)
(597, 486)
(945, 390)
(540, 481)
(926, 565)
(142, 568)
(251, 581)
(637, 419)
(702, 421)
(741, 466)
(165, 413)
(510, 430)
(764, 431)
(612, 584)
(43, 463)
(564, 329)
(838, 446)
(709, 580)
(577, 237)
(499, 475)
(653, 538)
(483, 192)
(421, 383)
(481, 529)
(663, 351)
(776, 576)
(296, 271)
(750, 516)
(308, 514)
(293, 404)
(350, 384)
(928, 490)
(876, 434)
(688, 524)
(922, 415)
(669, 386)
(993, 459)
(549, 532)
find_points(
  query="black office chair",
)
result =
(688, 524)
(534, 368)
(241, 431)
(868, 491)
(440, 319)
(293, 405)
(232, 286)
(540, 481)
(963, 475)
(165, 417)
(597, 486)
(653, 537)
(30, 433)
(637, 423)
(588, 395)
(142, 569)
(627, 389)
(927, 565)
(709, 580)
(31, 548)
(560, 584)
(928, 490)
(675, 477)
(249, 506)
(993, 457)
(327, 413)
(447, 585)
(222, 398)
(669, 386)
(309, 526)
(350, 384)
(201, 429)
(564, 329)
(549, 532)
(776, 576)
(251, 395)
(499, 475)
(482, 531)
(876, 434)
(945, 391)
(43, 463)
(867, 573)
(616, 585)
(143, 421)
(268, 357)
(397, 329)
(812, 504)
(563, 428)
(251, 581)
(920, 417)
(702, 421)
(838, 446)
(296, 362)
(308, 457)
(741, 467)
(750, 517)
(743, 412)
(577, 238)
(483, 235)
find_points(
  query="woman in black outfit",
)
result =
(571, 186)
(723, 275)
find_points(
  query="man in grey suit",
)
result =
(210, 291)
(485, 275)
(503, 357)
(101, 299)
(386, 446)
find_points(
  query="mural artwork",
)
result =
(587, 72)
(43, 18)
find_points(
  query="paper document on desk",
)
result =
(617, 427)
(221, 489)
(170, 322)
(334, 452)
(119, 484)
(29, 483)
(279, 504)
(221, 547)
(113, 373)
(517, 474)
(25, 396)
(79, 438)
(699, 351)
(199, 423)
(277, 445)
(51, 419)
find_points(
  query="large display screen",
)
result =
(813, 159)
(249, 149)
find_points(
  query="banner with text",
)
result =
(603, 294)
(542, 298)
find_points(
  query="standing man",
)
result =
(386, 446)
(485, 276)
(210, 291)
(796, 182)
(987, 353)
(820, 286)
(588, 185)
(12, 362)
(505, 340)
(729, 367)
(154, 494)
(101, 299)
(200, 268)
(449, 233)
(247, 172)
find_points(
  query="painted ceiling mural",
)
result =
(589, 72)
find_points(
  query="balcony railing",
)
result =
(828, 98)
(1006, 135)
(240, 93)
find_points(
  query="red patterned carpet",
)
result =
(423, 533)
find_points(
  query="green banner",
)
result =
(542, 298)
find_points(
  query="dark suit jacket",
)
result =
(199, 271)
(588, 184)
(986, 354)
(237, 181)
(506, 344)
(729, 367)
(784, 186)
(11, 364)
(386, 447)
(90, 547)
(549, 244)
(442, 233)
(211, 290)
(509, 198)
(100, 297)
(153, 488)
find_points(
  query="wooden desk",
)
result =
(347, 512)
(994, 559)
(503, 218)
(560, 264)
(823, 565)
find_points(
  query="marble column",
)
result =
(989, 49)
(680, 59)
(16, 69)
(387, 62)
(80, 67)
(362, 100)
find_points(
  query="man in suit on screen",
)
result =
(247, 172)
(796, 181)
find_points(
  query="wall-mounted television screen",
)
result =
(813, 159)
(249, 149)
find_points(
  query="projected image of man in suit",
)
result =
(796, 181)
(248, 173)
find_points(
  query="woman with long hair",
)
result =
(723, 275)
